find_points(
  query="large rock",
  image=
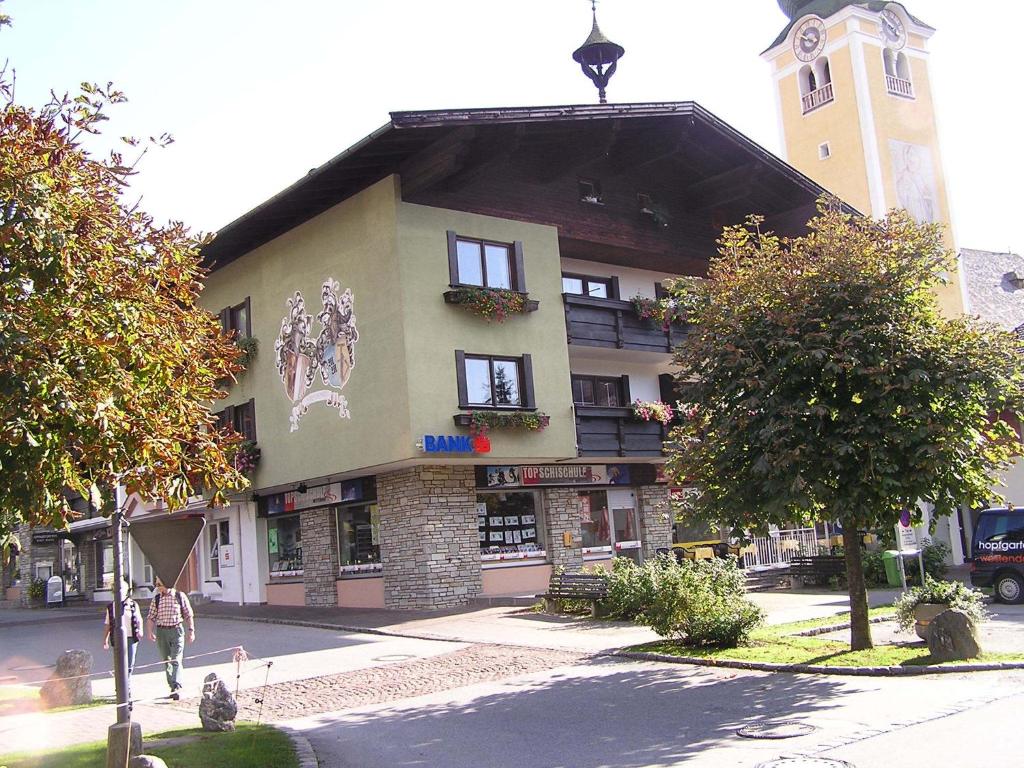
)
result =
(146, 761)
(217, 708)
(69, 684)
(952, 635)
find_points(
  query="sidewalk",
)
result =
(497, 625)
(522, 626)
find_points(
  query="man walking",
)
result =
(170, 621)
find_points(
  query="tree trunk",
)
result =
(860, 629)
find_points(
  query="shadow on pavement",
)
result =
(584, 717)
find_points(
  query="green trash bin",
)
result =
(891, 558)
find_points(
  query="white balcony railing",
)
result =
(818, 98)
(899, 87)
(779, 547)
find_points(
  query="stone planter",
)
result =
(924, 613)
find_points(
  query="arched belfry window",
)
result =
(889, 61)
(897, 73)
(815, 84)
(808, 82)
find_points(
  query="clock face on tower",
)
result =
(894, 34)
(809, 41)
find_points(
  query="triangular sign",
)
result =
(167, 543)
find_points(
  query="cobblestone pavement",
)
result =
(395, 681)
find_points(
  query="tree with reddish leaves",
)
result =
(108, 365)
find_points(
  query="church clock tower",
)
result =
(855, 106)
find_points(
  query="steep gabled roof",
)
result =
(411, 141)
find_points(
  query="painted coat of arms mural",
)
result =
(332, 355)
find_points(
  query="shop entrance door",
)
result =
(70, 568)
(626, 529)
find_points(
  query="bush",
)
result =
(633, 588)
(700, 603)
(874, 568)
(37, 589)
(955, 594)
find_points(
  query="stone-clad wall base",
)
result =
(25, 562)
(319, 556)
(87, 554)
(562, 513)
(655, 518)
(430, 549)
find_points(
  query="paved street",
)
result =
(508, 687)
(640, 715)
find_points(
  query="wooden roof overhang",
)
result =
(523, 163)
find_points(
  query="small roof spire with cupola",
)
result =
(598, 57)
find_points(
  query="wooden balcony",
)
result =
(616, 432)
(614, 324)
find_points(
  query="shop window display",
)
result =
(594, 528)
(509, 525)
(284, 541)
(359, 538)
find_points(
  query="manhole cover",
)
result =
(805, 762)
(395, 657)
(785, 729)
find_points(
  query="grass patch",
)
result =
(20, 699)
(778, 644)
(247, 746)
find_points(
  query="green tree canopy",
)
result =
(107, 363)
(824, 384)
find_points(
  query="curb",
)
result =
(303, 749)
(839, 627)
(818, 669)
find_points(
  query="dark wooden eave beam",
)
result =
(640, 151)
(437, 161)
(487, 153)
(575, 149)
(793, 222)
(723, 188)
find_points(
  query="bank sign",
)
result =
(455, 444)
(558, 474)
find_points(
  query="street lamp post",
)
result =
(124, 738)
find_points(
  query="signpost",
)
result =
(907, 546)
(167, 543)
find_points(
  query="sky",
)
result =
(257, 93)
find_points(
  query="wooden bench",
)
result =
(575, 586)
(817, 569)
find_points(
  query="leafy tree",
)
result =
(824, 384)
(107, 363)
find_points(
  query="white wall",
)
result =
(631, 281)
(240, 583)
(643, 377)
